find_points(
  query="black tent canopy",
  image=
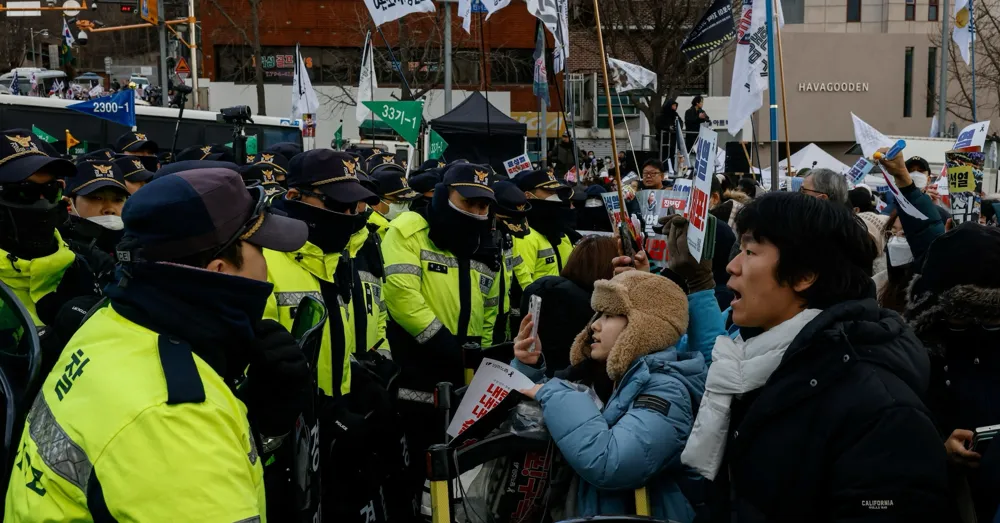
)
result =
(473, 136)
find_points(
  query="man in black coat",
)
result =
(694, 117)
(821, 406)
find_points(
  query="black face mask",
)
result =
(552, 219)
(452, 230)
(29, 233)
(328, 230)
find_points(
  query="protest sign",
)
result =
(403, 117)
(901, 200)
(118, 108)
(973, 135)
(859, 170)
(965, 181)
(383, 11)
(869, 138)
(517, 164)
(492, 383)
(698, 213)
(613, 206)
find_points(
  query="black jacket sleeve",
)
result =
(896, 470)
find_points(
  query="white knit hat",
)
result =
(876, 228)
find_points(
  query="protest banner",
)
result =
(517, 164)
(973, 136)
(701, 190)
(492, 383)
(383, 11)
(965, 182)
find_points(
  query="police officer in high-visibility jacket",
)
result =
(547, 246)
(394, 194)
(138, 422)
(511, 211)
(341, 264)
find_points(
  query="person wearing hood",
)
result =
(139, 420)
(547, 246)
(512, 222)
(394, 194)
(96, 196)
(956, 314)
(340, 264)
(649, 390)
(438, 290)
(665, 123)
(814, 412)
(39, 265)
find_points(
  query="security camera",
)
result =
(81, 38)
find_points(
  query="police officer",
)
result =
(38, 264)
(137, 422)
(511, 212)
(267, 168)
(394, 194)
(547, 246)
(340, 265)
(136, 171)
(96, 196)
(136, 144)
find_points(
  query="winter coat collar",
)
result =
(687, 367)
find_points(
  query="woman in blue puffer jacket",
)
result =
(648, 387)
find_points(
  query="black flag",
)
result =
(713, 30)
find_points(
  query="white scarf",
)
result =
(737, 367)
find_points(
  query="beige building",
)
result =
(875, 58)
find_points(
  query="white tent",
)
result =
(811, 157)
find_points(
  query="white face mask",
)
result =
(111, 222)
(899, 251)
(553, 198)
(395, 209)
(481, 218)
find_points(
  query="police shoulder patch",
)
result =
(650, 402)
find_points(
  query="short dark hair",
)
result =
(861, 198)
(747, 186)
(591, 260)
(697, 100)
(716, 186)
(813, 237)
(232, 254)
(653, 162)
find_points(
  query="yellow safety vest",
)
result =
(134, 426)
(535, 257)
(32, 279)
(380, 222)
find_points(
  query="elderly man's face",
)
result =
(809, 188)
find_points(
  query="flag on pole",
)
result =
(42, 135)
(304, 99)
(465, 11)
(962, 33)
(368, 83)
(57, 87)
(555, 15)
(67, 35)
(338, 137)
(383, 11)
(540, 87)
(71, 142)
(98, 90)
(15, 85)
(713, 30)
(750, 69)
(631, 77)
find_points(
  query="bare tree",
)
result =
(987, 49)
(251, 40)
(648, 33)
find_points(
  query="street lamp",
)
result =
(43, 33)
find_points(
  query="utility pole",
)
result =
(447, 56)
(164, 74)
(943, 96)
(192, 30)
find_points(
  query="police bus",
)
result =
(198, 127)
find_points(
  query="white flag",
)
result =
(934, 126)
(304, 99)
(383, 11)
(368, 82)
(465, 10)
(869, 138)
(630, 77)
(750, 70)
(555, 15)
(962, 34)
(96, 91)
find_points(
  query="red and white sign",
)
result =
(183, 69)
(491, 384)
(517, 164)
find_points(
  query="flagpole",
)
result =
(772, 96)
(784, 114)
(628, 133)
(569, 96)
(611, 117)
(972, 56)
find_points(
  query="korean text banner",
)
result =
(383, 11)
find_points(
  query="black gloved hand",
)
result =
(78, 280)
(697, 273)
(278, 380)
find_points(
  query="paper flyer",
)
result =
(491, 384)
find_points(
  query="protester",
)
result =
(956, 315)
(814, 413)
(725, 205)
(563, 156)
(861, 199)
(96, 194)
(340, 263)
(394, 194)
(694, 118)
(39, 266)
(652, 175)
(666, 134)
(877, 224)
(825, 185)
(135, 171)
(593, 216)
(919, 233)
(649, 388)
(547, 246)
(138, 422)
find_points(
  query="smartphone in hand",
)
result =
(535, 309)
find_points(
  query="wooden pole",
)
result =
(784, 104)
(611, 117)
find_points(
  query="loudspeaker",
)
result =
(736, 159)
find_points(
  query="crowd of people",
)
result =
(830, 362)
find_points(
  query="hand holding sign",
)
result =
(896, 167)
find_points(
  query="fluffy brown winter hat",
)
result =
(657, 312)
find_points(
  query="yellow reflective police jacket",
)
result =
(423, 290)
(32, 279)
(379, 223)
(304, 273)
(535, 256)
(134, 426)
